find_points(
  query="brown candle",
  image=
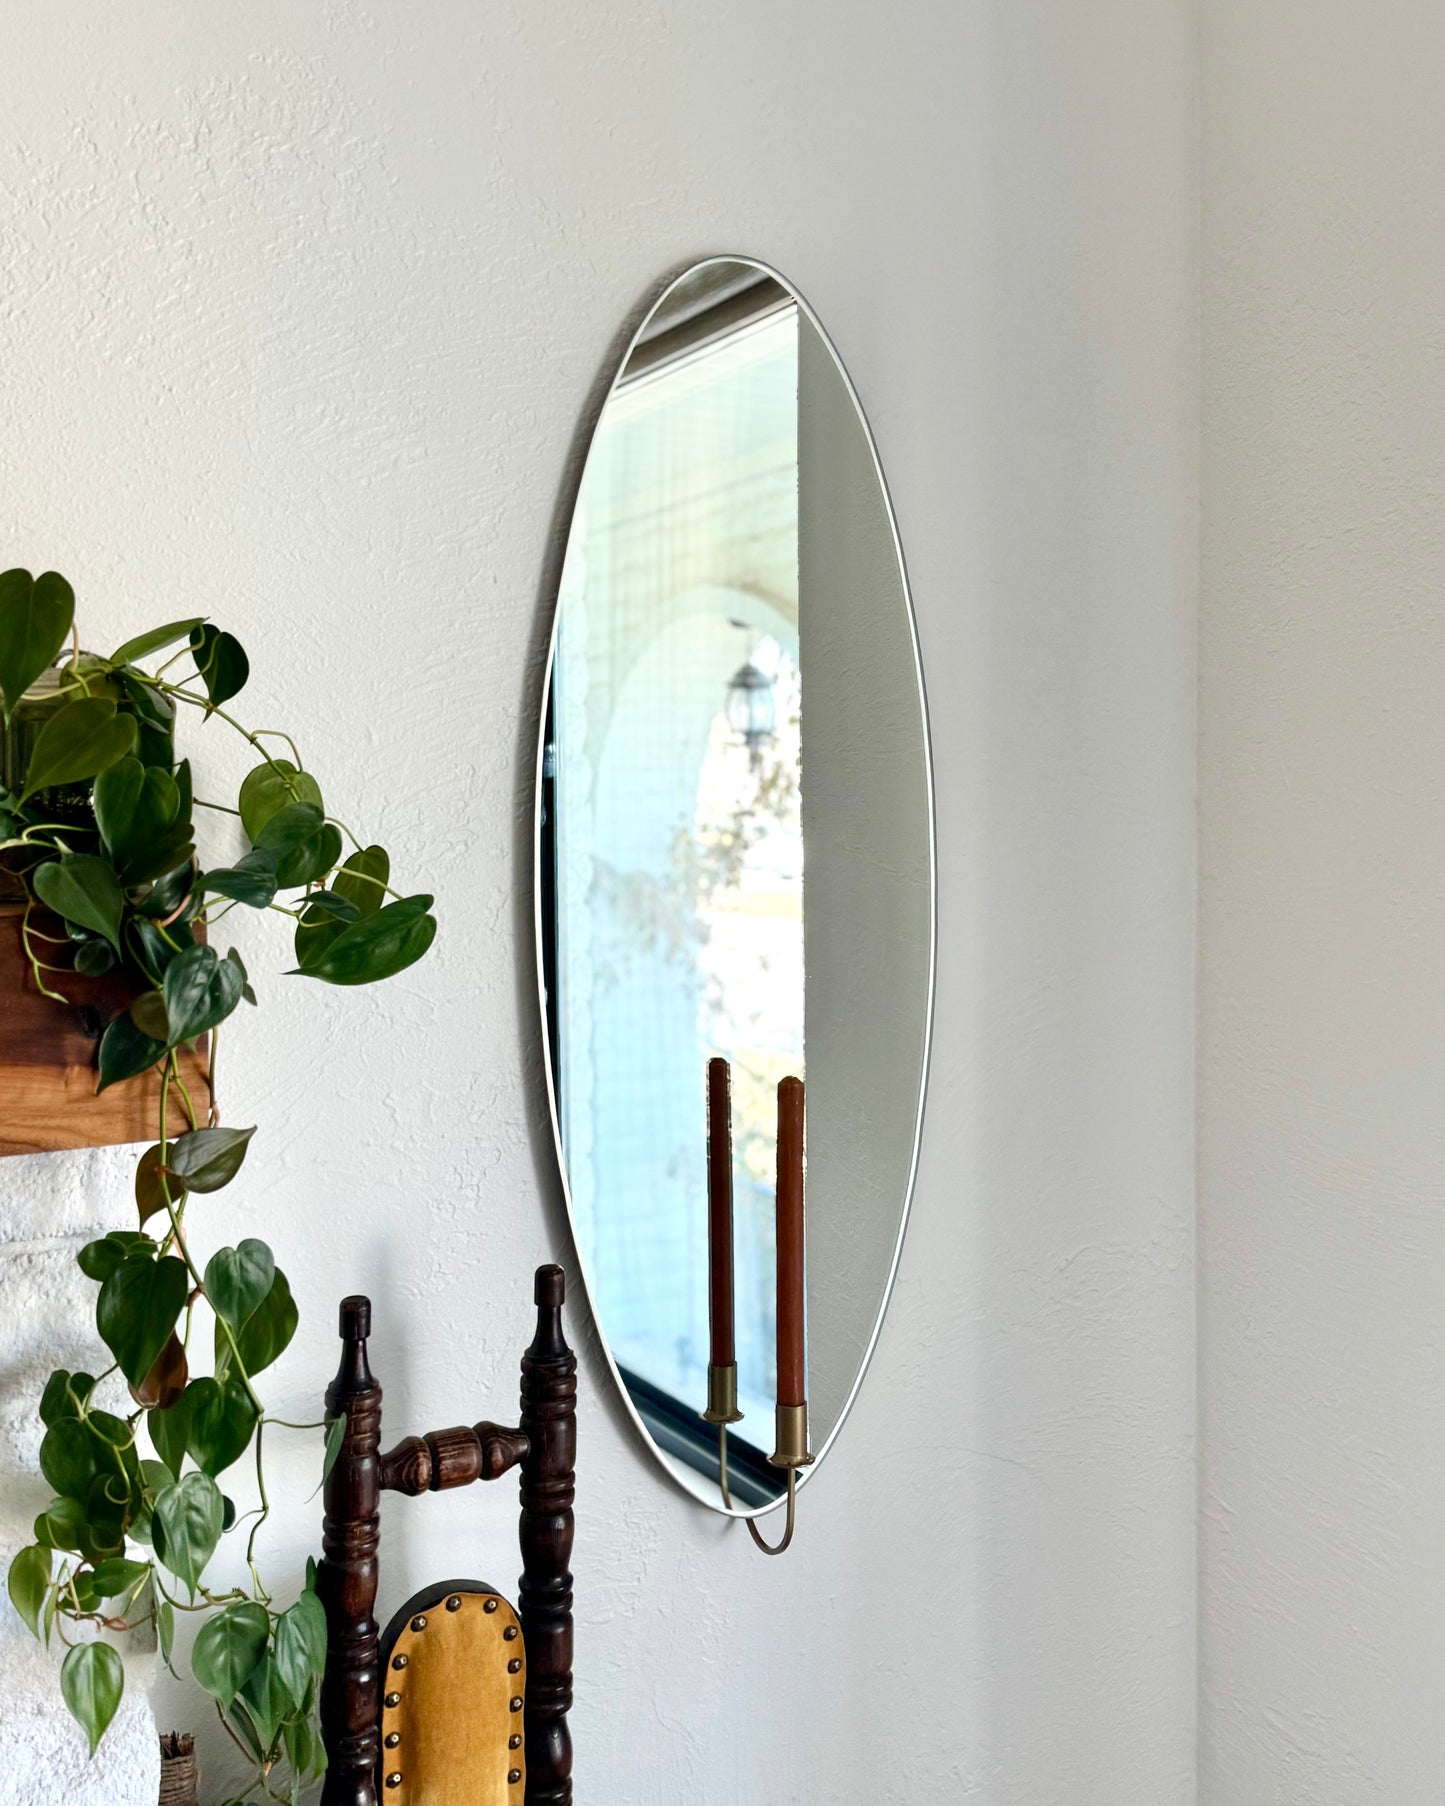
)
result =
(720, 1214)
(792, 1370)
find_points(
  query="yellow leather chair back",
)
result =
(454, 1684)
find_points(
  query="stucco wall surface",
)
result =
(301, 307)
(1322, 866)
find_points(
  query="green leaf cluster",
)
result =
(98, 823)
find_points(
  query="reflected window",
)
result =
(673, 883)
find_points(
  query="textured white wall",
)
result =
(1322, 868)
(300, 307)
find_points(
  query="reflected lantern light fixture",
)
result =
(752, 709)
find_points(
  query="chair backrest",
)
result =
(458, 1632)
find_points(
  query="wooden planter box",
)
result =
(47, 1060)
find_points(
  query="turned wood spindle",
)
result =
(549, 1421)
(347, 1577)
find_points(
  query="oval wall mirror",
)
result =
(734, 862)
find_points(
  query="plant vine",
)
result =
(98, 848)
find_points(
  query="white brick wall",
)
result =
(49, 1207)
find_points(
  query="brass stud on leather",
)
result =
(510, 1632)
(454, 1604)
(392, 1699)
(514, 1775)
(418, 1623)
(516, 1705)
(514, 1742)
(392, 1739)
(490, 1606)
(515, 1665)
(400, 1661)
(394, 1778)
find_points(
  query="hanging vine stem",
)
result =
(37, 966)
(255, 736)
(175, 1213)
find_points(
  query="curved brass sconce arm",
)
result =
(753, 1531)
(791, 1451)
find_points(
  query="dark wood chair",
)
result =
(474, 1709)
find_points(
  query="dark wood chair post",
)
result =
(346, 1580)
(549, 1421)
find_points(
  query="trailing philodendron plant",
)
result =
(98, 847)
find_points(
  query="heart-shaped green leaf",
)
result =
(221, 661)
(148, 1013)
(219, 1422)
(238, 1279)
(364, 878)
(70, 1457)
(84, 890)
(269, 788)
(153, 1182)
(302, 1749)
(240, 965)
(91, 1681)
(166, 1630)
(136, 1312)
(115, 1577)
(301, 1646)
(93, 959)
(313, 860)
(64, 1395)
(78, 741)
(264, 1335)
(125, 1052)
(173, 849)
(157, 806)
(144, 644)
(35, 618)
(29, 1581)
(378, 946)
(186, 1524)
(99, 1259)
(106, 1509)
(168, 1435)
(59, 1525)
(304, 845)
(265, 1700)
(207, 1159)
(229, 1647)
(289, 827)
(327, 912)
(251, 880)
(114, 797)
(116, 794)
(238, 1723)
(138, 810)
(200, 990)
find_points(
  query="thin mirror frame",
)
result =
(696, 1486)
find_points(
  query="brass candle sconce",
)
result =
(791, 1451)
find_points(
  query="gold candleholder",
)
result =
(792, 1452)
(792, 1437)
(722, 1395)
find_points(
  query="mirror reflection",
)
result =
(734, 865)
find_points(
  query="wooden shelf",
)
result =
(47, 1060)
